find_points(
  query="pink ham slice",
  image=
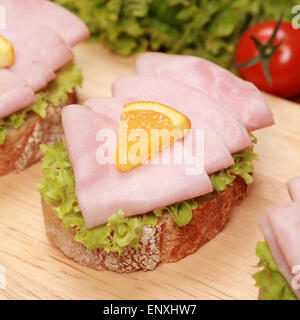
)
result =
(281, 230)
(102, 190)
(216, 155)
(294, 189)
(275, 250)
(191, 102)
(48, 14)
(242, 97)
(14, 93)
(39, 52)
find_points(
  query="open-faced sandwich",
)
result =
(37, 77)
(279, 256)
(110, 201)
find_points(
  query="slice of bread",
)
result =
(21, 148)
(165, 242)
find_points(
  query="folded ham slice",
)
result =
(48, 14)
(242, 97)
(281, 230)
(193, 103)
(102, 190)
(294, 189)
(39, 52)
(216, 155)
(276, 252)
(14, 93)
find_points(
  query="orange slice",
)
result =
(7, 55)
(145, 129)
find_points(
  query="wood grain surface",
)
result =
(220, 270)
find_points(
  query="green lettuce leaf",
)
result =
(58, 188)
(242, 167)
(114, 236)
(151, 219)
(207, 28)
(271, 282)
(55, 93)
(181, 212)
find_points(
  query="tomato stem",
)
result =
(266, 52)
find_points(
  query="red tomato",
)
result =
(284, 64)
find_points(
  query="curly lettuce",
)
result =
(271, 282)
(180, 212)
(58, 189)
(55, 93)
(115, 235)
(242, 167)
(207, 28)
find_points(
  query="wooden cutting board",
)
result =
(220, 270)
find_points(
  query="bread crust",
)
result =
(163, 243)
(21, 147)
